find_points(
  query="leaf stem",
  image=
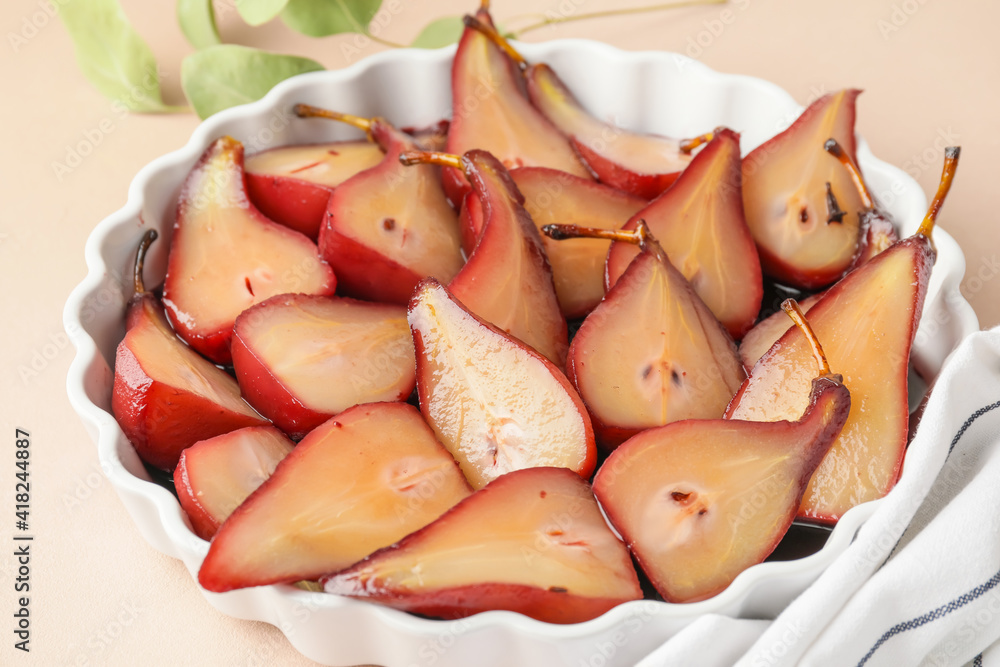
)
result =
(385, 42)
(552, 20)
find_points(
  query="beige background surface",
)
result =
(100, 595)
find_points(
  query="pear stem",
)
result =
(947, 176)
(140, 258)
(498, 39)
(552, 20)
(688, 145)
(432, 157)
(639, 236)
(309, 111)
(791, 307)
(833, 148)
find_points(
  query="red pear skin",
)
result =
(866, 322)
(699, 501)
(507, 280)
(390, 226)
(214, 476)
(292, 184)
(361, 481)
(644, 165)
(700, 224)
(225, 256)
(490, 111)
(555, 197)
(300, 359)
(496, 404)
(532, 541)
(165, 396)
(652, 353)
(802, 240)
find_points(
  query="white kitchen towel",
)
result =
(920, 584)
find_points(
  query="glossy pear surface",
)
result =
(301, 359)
(533, 541)
(700, 224)
(292, 184)
(802, 242)
(166, 396)
(225, 256)
(495, 403)
(652, 353)
(866, 323)
(214, 476)
(507, 280)
(390, 226)
(359, 482)
(642, 164)
(490, 111)
(699, 501)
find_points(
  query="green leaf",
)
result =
(197, 20)
(258, 12)
(441, 32)
(319, 18)
(223, 76)
(112, 55)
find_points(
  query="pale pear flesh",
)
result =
(699, 501)
(330, 352)
(496, 405)
(652, 353)
(328, 164)
(539, 528)
(786, 203)
(225, 256)
(638, 152)
(357, 483)
(699, 222)
(866, 324)
(492, 113)
(218, 474)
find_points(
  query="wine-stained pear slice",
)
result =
(214, 476)
(555, 197)
(879, 231)
(165, 396)
(652, 352)
(361, 481)
(387, 227)
(866, 322)
(801, 205)
(700, 501)
(532, 541)
(301, 359)
(225, 256)
(700, 224)
(292, 184)
(880, 234)
(507, 280)
(495, 403)
(490, 111)
(642, 164)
